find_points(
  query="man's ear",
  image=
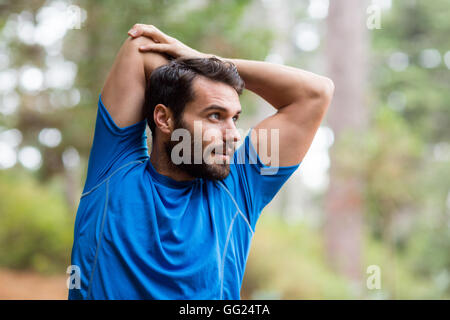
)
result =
(163, 118)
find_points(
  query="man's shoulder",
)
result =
(124, 176)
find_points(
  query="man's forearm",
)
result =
(280, 85)
(124, 90)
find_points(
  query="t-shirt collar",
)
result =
(167, 181)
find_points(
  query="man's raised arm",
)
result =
(300, 97)
(124, 91)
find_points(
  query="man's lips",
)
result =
(222, 157)
(225, 157)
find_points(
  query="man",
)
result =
(159, 228)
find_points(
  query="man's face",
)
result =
(211, 122)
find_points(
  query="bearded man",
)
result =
(178, 224)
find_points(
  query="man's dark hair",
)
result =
(171, 84)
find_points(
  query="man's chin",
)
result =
(219, 172)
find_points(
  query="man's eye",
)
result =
(235, 118)
(214, 116)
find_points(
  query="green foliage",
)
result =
(36, 229)
(394, 151)
(398, 279)
(408, 185)
(411, 27)
(288, 262)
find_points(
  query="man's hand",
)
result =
(163, 43)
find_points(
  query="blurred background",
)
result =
(367, 215)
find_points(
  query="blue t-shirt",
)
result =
(142, 235)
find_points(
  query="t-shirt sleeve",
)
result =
(113, 147)
(253, 183)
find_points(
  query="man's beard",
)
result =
(203, 170)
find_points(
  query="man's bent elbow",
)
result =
(324, 96)
(320, 99)
(320, 90)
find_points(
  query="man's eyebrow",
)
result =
(217, 107)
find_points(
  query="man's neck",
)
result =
(163, 164)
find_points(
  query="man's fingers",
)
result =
(147, 31)
(133, 33)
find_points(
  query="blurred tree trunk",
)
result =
(346, 61)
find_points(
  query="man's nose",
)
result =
(232, 134)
